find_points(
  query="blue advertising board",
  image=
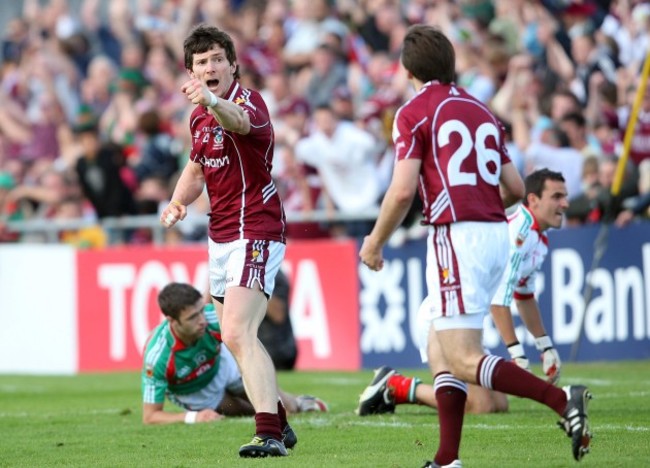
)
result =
(615, 325)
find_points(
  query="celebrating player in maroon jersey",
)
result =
(232, 150)
(450, 148)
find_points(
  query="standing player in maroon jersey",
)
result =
(232, 150)
(450, 148)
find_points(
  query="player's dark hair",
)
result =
(536, 181)
(576, 118)
(428, 54)
(175, 297)
(202, 38)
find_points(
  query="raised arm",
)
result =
(231, 116)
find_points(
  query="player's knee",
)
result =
(234, 339)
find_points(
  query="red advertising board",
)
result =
(117, 290)
(325, 303)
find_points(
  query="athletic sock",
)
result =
(451, 395)
(403, 388)
(282, 415)
(268, 425)
(504, 376)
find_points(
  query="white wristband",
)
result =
(213, 100)
(543, 343)
(516, 351)
(190, 417)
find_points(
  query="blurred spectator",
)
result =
(41, 197)
(346, 158)
(554, 152)
(87, 237)
(380, 24)
(597, 204)
(155, 155)
(538, 65)
(590, 58)
(100, 169)
(640, 146)
(9, 208)
(308, 22)
(343, 104)
(638, 206)
(96, 87)
(328, 72)
(298, 183)
(602, 113)
(119, 121)
(574, 125)
(15, 40)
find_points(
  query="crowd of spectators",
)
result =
(93, 125)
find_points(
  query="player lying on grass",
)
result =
(185, 360)
(389, 388)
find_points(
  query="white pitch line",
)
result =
(23, 414)
(367, 422)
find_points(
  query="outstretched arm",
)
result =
(231, 116)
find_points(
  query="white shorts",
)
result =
(465, 263)
(244, 263)
(228, 378)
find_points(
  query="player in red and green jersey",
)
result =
(185, 361)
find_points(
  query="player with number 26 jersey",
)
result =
(462, 148)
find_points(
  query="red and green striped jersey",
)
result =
(172, 367)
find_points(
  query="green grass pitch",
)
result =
(95, 420)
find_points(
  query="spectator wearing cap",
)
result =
(120, 119)
(343, 104)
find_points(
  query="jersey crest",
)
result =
(519, 241)
(218, 137)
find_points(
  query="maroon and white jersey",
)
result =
(244, 202)
(640, 145)
(462, 148)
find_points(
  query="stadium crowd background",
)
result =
(93, 125)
